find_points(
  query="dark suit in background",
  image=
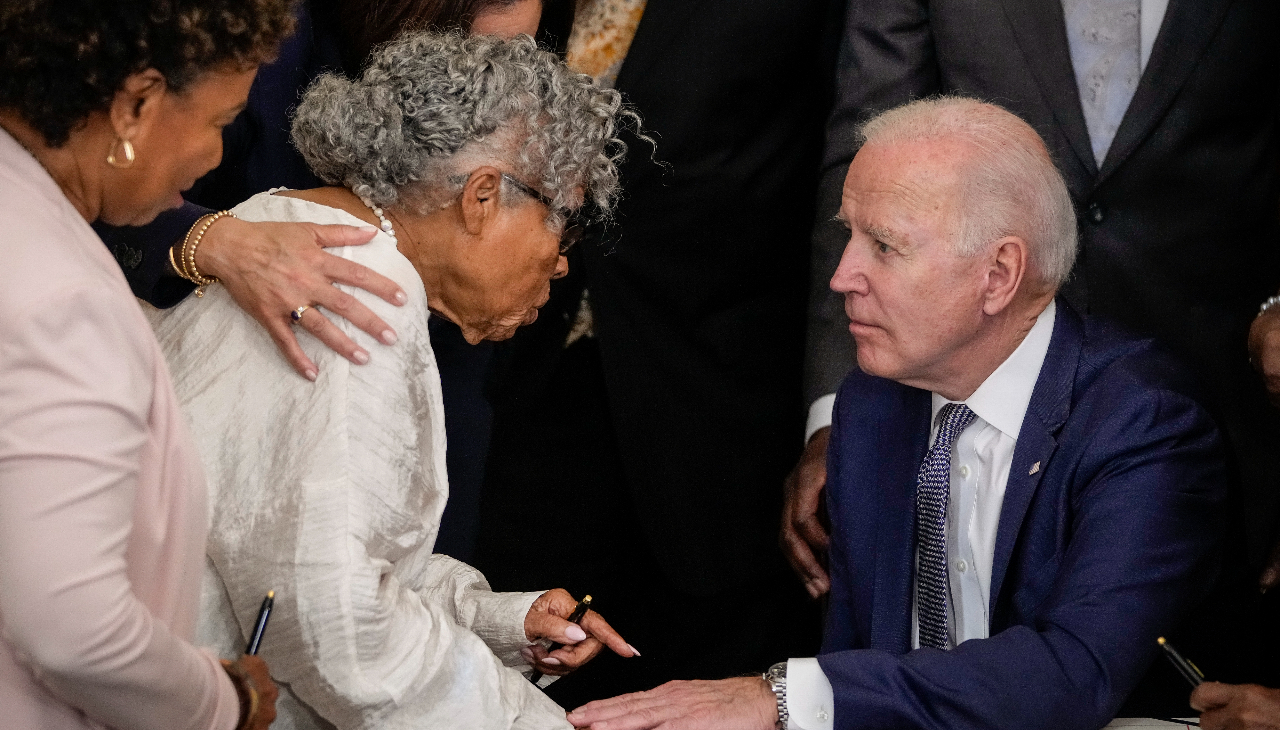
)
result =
(644, 465)
(1109, 530)
(1179, 235)
(258, 154)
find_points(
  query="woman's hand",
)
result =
(548, 619)
(271, 269)
(250, 672)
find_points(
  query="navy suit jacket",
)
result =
(1109, 531)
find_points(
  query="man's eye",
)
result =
(884, 247)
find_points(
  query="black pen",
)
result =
(574, 618)
(1188, 670)
(260, 626)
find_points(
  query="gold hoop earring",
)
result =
(126, 148)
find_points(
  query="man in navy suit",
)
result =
(1022, 500)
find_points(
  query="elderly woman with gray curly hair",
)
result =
(472, 157)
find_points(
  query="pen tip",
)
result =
(1160, 641)
(271, 594)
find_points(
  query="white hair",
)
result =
(1010, 186)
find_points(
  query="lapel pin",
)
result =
(1034, 468)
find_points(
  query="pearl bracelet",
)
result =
(1271, 302)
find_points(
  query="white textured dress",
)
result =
(331, 493)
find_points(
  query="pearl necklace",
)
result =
(386, 224)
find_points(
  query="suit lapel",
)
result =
(1041, 31)
(895, 526)
(1048, 410)
(1185, 34)
(661, 26)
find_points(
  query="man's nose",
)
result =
(850, 275)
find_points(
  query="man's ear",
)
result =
(137, 103)
(1005, 272)
(481, 198)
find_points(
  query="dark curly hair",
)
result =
(62, 60)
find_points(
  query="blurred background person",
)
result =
(1162, 117)
(471, 156)
(269, 267)
(657, 399)
(107, 111)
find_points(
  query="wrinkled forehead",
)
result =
(913, 177)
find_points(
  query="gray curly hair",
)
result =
(429, 104)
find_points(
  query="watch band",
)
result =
(776, 678)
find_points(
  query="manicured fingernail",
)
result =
(552, 661)
(360, 356)
(310, 375)
(401, 297)
(389, 337)
(634, 651)
(575, 633)
(366, 227)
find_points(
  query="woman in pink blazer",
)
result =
(107, 112)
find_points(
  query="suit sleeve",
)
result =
(886, 59)
(143, 254)
(1142, 525)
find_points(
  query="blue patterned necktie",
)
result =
(1105, 41)
(932, 492)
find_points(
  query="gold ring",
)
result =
(296, 315)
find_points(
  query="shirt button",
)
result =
(1096, 213)
(961, 565)
(964, 470)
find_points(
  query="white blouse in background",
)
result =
(331, 494)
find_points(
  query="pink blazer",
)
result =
(102, 501)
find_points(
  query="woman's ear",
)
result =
(481, 197)
(137, 103)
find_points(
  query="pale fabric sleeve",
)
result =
(497, 618)
(76, 390)
(810, 700)
(331, 494)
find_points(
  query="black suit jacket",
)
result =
(1179, 235)
(698, 289)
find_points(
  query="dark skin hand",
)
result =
(1264, 352)
(1237, 706)
(260, 677)
(548, 619)
(270, 269)
(803, 539)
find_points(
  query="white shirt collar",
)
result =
(1003, 397)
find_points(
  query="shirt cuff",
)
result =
(810, 702)
(819, 415)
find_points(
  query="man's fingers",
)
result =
(349, 308)
(612, 708)
(329, 236)
(1211, 695)
(810, 530)
(287, 341)
(333, 338)
(1270, 576)
(349, 272)
(805, 564)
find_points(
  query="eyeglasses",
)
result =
(574, 225)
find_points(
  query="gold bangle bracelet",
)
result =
(189, 269)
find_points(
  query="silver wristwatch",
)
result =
(777, 679)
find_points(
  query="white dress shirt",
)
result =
(980, 463)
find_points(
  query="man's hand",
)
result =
(548, 619)
(741, 703)
(1237, 706)
(1264, 350)
(803, 538)
(270, 269)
